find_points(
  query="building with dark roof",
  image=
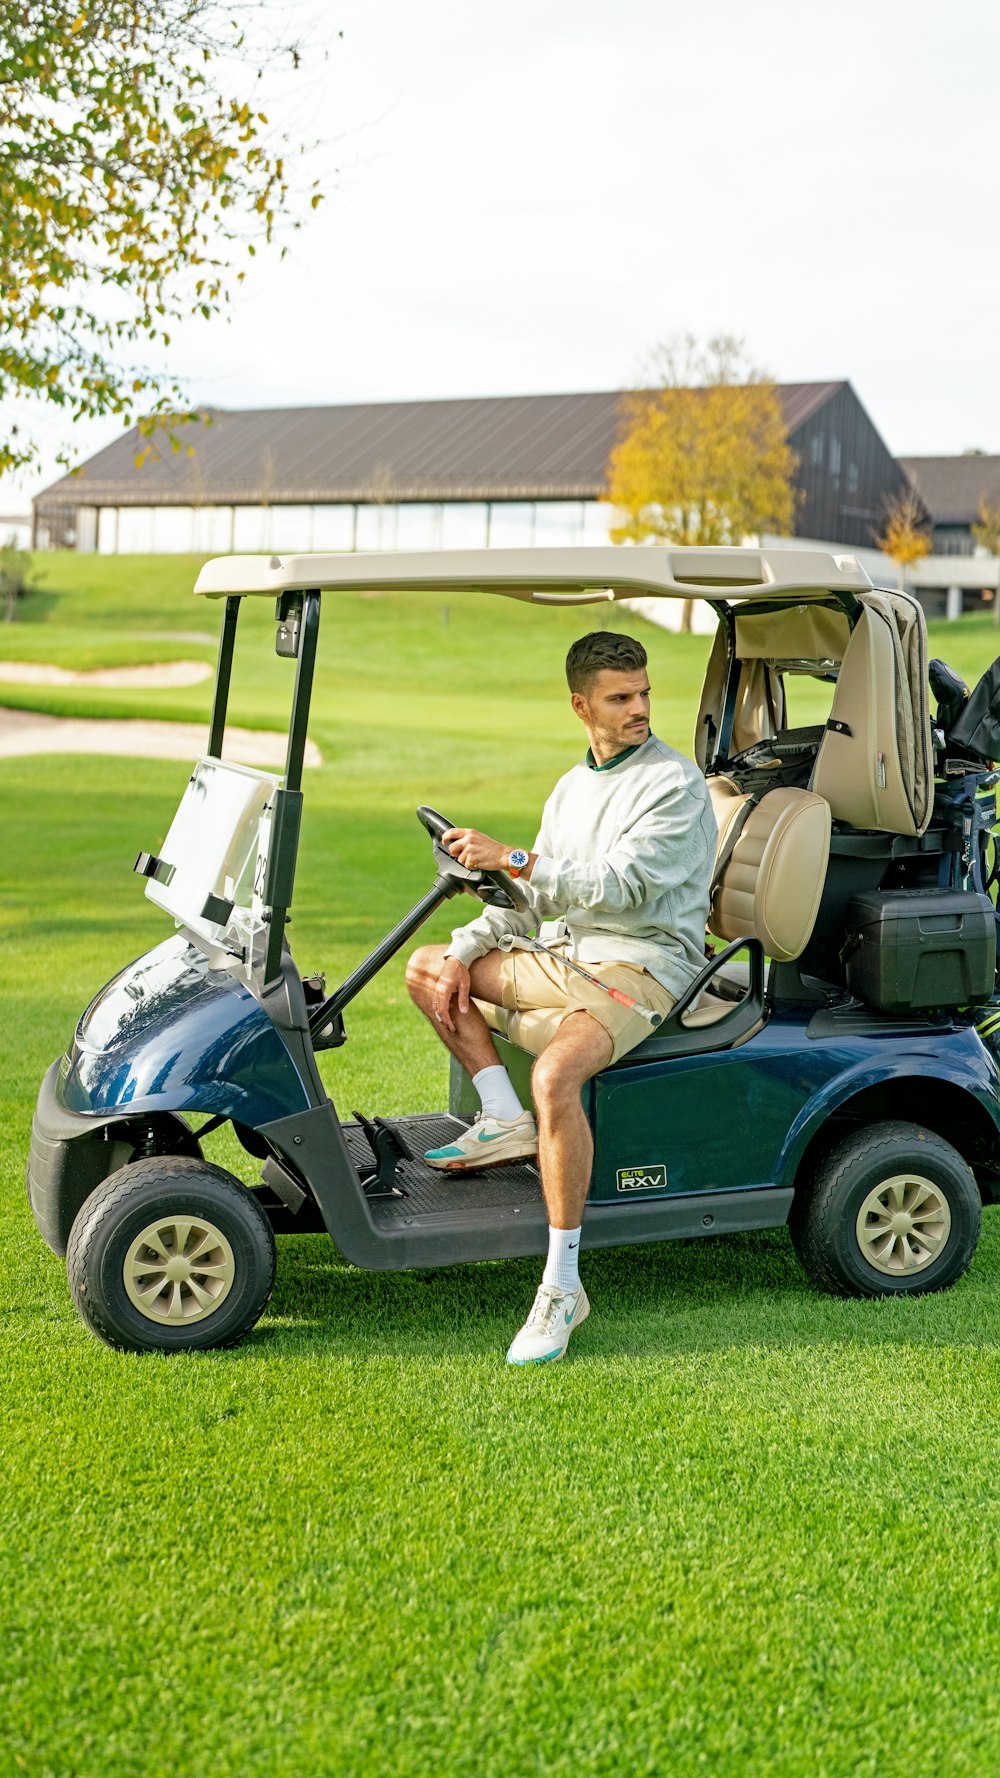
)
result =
(954, 490)
(420, 474)
(959, 575)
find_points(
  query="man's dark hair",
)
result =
(602, 649)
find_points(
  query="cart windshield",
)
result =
(213, 861)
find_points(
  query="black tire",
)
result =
(123, 1288)
(874, 1254)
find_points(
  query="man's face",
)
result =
(614, 711)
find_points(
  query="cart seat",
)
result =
(773, 881)
(873, 764)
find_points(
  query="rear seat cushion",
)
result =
(870, 767)
(727, 800)
(775, 876)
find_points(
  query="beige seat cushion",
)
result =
(727, 800)
(773, 882)
(871, 769)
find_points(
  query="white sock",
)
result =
(562, 1268)
(496, 1093)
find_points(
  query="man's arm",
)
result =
(477, 851)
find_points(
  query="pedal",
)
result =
(387, 1153)
(390, 1124)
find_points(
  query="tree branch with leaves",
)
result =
(130, 176)
(986, 531)
(904, 533)
(703, 456)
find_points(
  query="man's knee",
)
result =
(553, 1081)
(563, 1066)
(423, 969)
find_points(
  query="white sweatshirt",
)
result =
(625, 854)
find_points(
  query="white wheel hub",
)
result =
(903, 1224)
(178, 1270)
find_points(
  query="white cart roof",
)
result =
(549, 576)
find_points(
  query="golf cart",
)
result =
(843, 1018)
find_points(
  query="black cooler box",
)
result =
(920, 948)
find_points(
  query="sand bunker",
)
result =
(25, 731)
(167, 674)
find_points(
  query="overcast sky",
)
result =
(525, 199)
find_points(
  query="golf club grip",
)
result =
(652, 1018)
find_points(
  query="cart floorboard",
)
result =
(430, 1192)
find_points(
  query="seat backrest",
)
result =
(727, 799)
(872, 765)
(773, 879)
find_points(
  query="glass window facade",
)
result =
(464, 524)
(409, 525)
(512, 524)
(135, 530)
(292, 529)
(418, 526)
(559, 523)
(333, 527)
(377, 527)
(251, 530)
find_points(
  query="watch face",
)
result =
(518, 859)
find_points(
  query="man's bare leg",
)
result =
(579, 1049)
(443, 989)
(470, 1038)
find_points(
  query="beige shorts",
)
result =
(539, 993)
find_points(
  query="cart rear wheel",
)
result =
(893, 1210)
(170, 1254)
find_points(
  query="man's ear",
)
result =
(579, 704)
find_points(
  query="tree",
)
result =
(703, 456)
(904, 534)
(986, 531)
(129, 174)
(15, 577)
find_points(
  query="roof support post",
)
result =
(305, 665)
(223, 674)
(287, 807)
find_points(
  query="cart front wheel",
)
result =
(170, 1254)
(893, 1210)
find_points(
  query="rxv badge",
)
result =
(643, 1179)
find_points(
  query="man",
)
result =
(624, 855)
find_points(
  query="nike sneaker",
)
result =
(555, 1314)
(489, 1142)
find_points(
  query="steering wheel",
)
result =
(493, 886)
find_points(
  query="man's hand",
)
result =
(475, 850)
(453, 980)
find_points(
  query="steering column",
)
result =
(494, 887)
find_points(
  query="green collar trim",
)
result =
(618, 759)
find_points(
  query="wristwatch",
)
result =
(517, 861)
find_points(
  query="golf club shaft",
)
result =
(644, 1012)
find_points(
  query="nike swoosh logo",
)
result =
(573, 1246)
(494, 1138)
(571, 1312)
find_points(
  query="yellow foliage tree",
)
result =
(703, 456)
(986, 531)
(904, 535)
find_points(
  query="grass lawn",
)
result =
(746, 1531)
